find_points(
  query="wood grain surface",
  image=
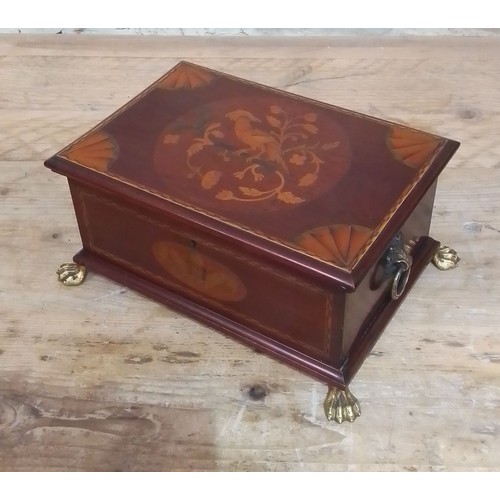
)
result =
(98, 378)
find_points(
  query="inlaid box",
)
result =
(292, 225)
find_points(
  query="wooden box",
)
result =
(294, 226)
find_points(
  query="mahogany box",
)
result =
(292, 225)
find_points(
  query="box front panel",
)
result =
(294, 312)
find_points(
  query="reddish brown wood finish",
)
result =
(363, 302)
(260, 213)
(296, 312)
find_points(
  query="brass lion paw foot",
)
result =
(445, 258)
(71, 274)
(341, 405)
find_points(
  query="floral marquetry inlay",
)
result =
(266, 156)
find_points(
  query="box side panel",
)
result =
(296, 313)
(361, 304)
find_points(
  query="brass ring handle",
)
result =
(397, 263)
(400, 279)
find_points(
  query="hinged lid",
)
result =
(310, 184)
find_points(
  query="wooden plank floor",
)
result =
(99, 378)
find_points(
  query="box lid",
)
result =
(314, 186)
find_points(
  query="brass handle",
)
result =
(400, 280)
(397, 263)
